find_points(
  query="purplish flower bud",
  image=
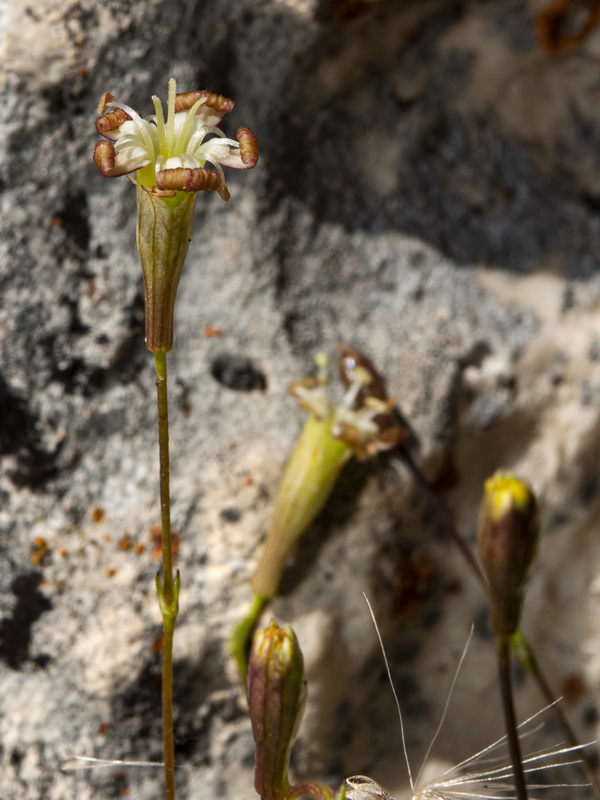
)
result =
(276, 700)
(507, 543)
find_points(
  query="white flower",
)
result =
(169, 155)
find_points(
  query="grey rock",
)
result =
(428, 192)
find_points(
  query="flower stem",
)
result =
(241, 638)
(442, 513)
(520, 644)
(525, 652)
(512, 735)
(167, 587)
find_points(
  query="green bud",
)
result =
(276, 699)
(507, 543)
(164, 231)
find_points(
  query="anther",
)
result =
(355, 367)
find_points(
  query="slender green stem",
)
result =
(526, 653)
(512, 735)
(167, 586)
(162, 400)
(167, 709)
(240, 640)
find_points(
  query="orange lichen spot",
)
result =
(572, 688)
(211, 332)
(110, 572)
(125, 542)
(39, 549)
(248, 480)
(63, 552)
(185, 407)
(138, 548)
(564, 24)
(57, 221)
(103, 728)
(97, 514)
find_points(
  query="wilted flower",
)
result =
(358, 426)
(167, 160)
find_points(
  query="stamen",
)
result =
(186, 131)
(196, 140)
(160, 125)
(171, 115)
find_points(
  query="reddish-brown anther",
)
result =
(108, 124)
(248, 147)
(186, 179)
(354, 367)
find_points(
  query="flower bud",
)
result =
(276, 699)
(507, 542)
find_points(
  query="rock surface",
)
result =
(428, 192)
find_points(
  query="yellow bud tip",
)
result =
(504, 491)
